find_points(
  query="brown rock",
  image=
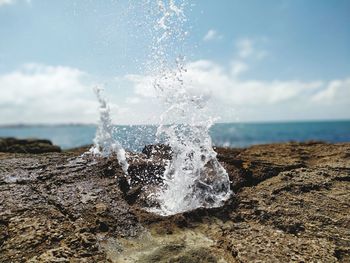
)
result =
(291, 203)
(33, 146)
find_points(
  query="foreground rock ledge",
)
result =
(292, 203)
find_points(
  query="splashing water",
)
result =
(105, 143)
(193, 177)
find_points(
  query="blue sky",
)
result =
(261, 60)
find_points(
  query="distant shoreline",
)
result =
(134, 137)
(26, 125)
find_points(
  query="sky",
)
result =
(258, 61)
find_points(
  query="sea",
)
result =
(135, 137)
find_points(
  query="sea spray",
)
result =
(105, 143)
(193, 177)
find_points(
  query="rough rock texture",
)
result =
(13, 145)
(291, 204)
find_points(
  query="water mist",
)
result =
(193, 177)
(105, 143)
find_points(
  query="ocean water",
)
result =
(135, 137)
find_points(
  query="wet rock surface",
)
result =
(291, 204)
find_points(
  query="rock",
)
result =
(291, 203)
(33, 146)
(158, 151)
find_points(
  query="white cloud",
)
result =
(212, 35)
(56, 94)
(210, 79)
(143, 85)
(238, 67)
(336, 92)
(247, 48)
(255, 99)
(38, 93)
(133, 100)
(11, 2)
(6, 2)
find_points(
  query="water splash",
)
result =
(193, 177)
(105, 143)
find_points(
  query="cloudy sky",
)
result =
(272, 60)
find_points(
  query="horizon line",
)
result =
(8, 125)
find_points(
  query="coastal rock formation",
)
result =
(291, 203)
(13, 145)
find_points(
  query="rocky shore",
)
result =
(291, 204)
